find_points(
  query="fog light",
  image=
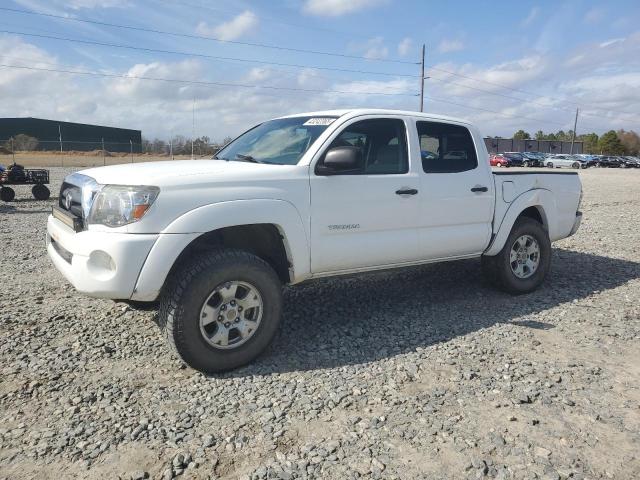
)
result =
(101, 265)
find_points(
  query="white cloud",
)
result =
(372, 48)
(91, 4)
(602, 78)
(533, 14)
(595, 15)
(231, 30)
(361, 87)
(404, 47)
(336, 8)
(448, 46)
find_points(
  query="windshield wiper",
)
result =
(220, 158)
(247, 158)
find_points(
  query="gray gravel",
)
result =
(425, 373)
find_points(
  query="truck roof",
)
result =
(354, 112)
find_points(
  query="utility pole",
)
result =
(60, 138)
(193, 125)
(131, 143)
(422, 81)
(573, 137)
(104, 162)
(13, 151)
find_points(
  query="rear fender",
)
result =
(542, 199)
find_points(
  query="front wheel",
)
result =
(221, 310)
(576, 165)
(524, 261)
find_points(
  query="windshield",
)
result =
(282, 141)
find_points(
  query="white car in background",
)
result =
(563, 161)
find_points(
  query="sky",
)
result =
(504, 65)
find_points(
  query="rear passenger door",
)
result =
(369, 217)
(456, 201)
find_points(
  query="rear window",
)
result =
(446, 148)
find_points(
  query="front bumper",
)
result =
(100, 264)
(576, 223)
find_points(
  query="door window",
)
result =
(382, 144)
(446, 148)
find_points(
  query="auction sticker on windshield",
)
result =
(319, 121)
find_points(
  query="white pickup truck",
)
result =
(296, 198)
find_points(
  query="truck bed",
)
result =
(556, 192)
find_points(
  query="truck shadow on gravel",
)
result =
(345, 321)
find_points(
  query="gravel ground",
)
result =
(424, 373)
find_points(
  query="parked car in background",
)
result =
(533, 159)
(516, 159)
(498, 160)
(607, 161)
(628, 162)
(563, 161)
(587, 160)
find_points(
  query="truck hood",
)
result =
(172, 173)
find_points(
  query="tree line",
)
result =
(621, 142)
(178, 145)
(181, 145)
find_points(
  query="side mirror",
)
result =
(341, 161)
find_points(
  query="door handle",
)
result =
(406, 191)
(479, 189)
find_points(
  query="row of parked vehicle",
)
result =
(538, 159)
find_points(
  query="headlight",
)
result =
(118, 205)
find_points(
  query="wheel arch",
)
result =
(271, 229)
(535, 204)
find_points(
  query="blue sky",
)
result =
(504, 65)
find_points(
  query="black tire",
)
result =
(576, 165)
(498, 271)
(549, 165)
(40, 192)
(7, 194)
(190, 287)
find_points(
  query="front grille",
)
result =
(70, 198)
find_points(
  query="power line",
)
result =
(537, 95)
(202, 55)
(489, 92)
(506, 115)
(203, 83)
(203, 37)
(269, 19)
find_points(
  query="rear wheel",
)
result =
(525, 164)
(221, 310)
(550, 164)
(524, 261)
(576, 165)
(7, 194)
(40, 192)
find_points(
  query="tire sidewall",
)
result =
(188, 338)
(525, 226)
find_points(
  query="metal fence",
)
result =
(500, 145)
(62, 154)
